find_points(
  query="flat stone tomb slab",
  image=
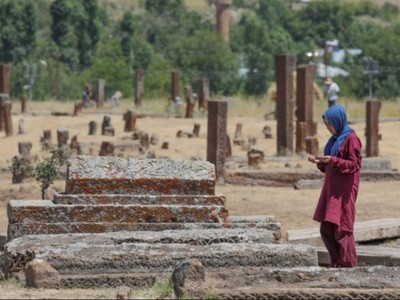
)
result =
(44, 211)
(103, 257)
(113, 175)
(18, 230)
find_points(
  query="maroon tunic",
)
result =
(339, 193)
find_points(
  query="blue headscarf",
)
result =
(336, 115)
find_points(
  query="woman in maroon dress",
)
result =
(335, 210)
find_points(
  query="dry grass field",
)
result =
(292, 208)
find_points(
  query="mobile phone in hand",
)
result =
(318, 159)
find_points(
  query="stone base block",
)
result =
(102, 199)
(45, 211)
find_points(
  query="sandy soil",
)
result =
(292, 208)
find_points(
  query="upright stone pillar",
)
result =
(223, 18)
(24, 99)
(284, 66)
(106, 123)
(7, 107)
(174, 86)
(203, 91)
(373, 108)
(130, 121)
(3, 99)
(139, 87)
(101, 83)
(216, 135)
(189, 102)
(92, 128)
(304, 105)
(5, 70)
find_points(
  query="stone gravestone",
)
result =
(217, 136)
(223, 18)
(174, 86)
(5, 70)
(139, 87)
(373, 108)
(285, 65)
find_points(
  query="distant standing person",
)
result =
(336, 210)
(86, 94)
(331, 91)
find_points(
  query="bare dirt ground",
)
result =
(292, 208)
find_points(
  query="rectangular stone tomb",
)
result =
(113, 175)
(93, 199)
(105, 256)
(45, 211)
(271, 229)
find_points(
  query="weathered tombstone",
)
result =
(267, 131)
(7, 107)
(217, 136)
(139, 87)
(228, 149)
(285, 65)
(165, 145)
(174, 86)
(301, 134)
(75, 146)
(189, 102)
(223, 18)
(62, 137)
(24, 148)
(305, 125)
(21, 127)
(3, 99)
(77, 108)
(254, 158)
(189, 279)
(144, 140)
(5, 70)
(107, 149)
(100, 93)
(92, 128)
(154, 139)
(373, 108)
(109, 131)
(238, 139)
(196, 130)
(130, 121)
(106, 123)
(203, 91)
(24, 99)
(46, 139)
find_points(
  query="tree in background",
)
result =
(17, 30)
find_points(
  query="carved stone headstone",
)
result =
(285, 65)
(107, 149)
(130, 121)
(189, 102)
(106, 123)
(5, 70)
(21, 127)
(8, 126)
(373, 108)
(196, 130)
(24, 148)
(62, 137)
(217, 135)
(92, 128)
(139, 87)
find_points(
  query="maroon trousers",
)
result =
(340, 244)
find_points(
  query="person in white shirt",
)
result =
(331, 91)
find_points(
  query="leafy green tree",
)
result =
(260, 45)
(205, 54)
(17, 30)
